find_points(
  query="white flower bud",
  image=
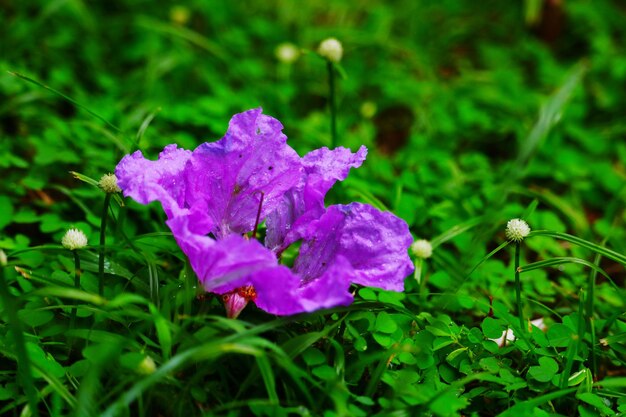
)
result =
(287, 53)
(146, 366)
(74, 239)
(422, 248)
(108, 184)
(517, 230)
(331, 49)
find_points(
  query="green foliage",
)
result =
(468, 124)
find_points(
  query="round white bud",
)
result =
(74, 239)
(422, 248)
(147, 366)
(287, 53)
(331, 49)
(108, 184)
(517, 230)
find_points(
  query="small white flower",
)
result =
(422, 248)
(108, 184)
(74, 239)
(3, 258)
(287, 53)
(331, 49)
(517, 230)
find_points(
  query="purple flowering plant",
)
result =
(216, 196)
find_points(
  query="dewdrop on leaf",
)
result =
(422, 248)
(287, 53)
(74, 239)
(331, 49)
(517, 230)
(108, 184)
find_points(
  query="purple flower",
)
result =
(215, 196)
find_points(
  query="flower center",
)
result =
(236, 300)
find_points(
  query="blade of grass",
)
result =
(71, 100)
(455, 231)
(561, 261)
(607, 253)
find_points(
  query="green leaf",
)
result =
(35, 318)
(545, 371)
(313, 356)
(492, 328)
(560, 335)
(6, 211)
(385, 323)
(597, 402)
(43, 362)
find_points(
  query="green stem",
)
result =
(518, 289)
(103, 226)
(23, 360)
(332, 103)
(591, 285)
(76, 285)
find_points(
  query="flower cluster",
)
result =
(74, 239)
(215, 197)
(517, 230)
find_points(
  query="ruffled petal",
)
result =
(323, 168)
(305, 202)
(376, 244)
(146, 181)
(250, 166)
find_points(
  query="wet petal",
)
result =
(252, 162)
(146, 181)
(376, 243)
(324, 168)
(305, 202)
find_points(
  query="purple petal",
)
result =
(281, 292)
(324, 168)
(376, 243)
(277, 291)
(331, 289)
(305, 202)
(320, 245)
(221, 265)
(252, 162)
(281, 221)
(146, 181)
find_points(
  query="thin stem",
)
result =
(518, 289)
(591, 284)
(23, 360)
(258, 216)
(332, 103)
(103, 226)
(76, 285)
